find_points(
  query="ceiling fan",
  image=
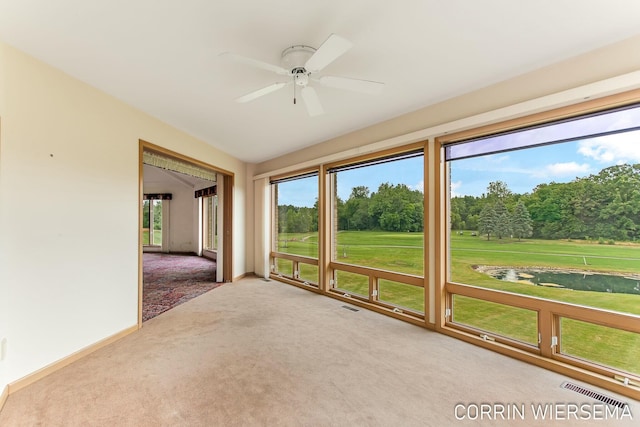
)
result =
(302, 64)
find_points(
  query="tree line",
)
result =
(390, 208)
(605, 205)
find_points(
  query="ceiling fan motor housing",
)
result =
(294, 58)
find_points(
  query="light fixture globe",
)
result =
(301, 77)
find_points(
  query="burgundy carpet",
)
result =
(170, 280)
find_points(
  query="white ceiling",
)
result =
(155, 176)
(162, 56)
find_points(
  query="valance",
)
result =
(168, 163)
(205, 192)
(157, 196)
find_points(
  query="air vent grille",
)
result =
(350, 308)
(593, 394)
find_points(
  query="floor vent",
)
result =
(593, 394)
(350, 308)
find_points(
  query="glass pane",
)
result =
(145, 222)
(600, 344)
(352, 283)
(296, 216)
(284, 267)
(511, 322)
(157, 222)
(558, 222)
(308, 273)
(214, 223)
(209, 223)
(401, 295)
(379, 216)
(305, 244)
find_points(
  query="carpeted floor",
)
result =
(170, 280)
(257, 353)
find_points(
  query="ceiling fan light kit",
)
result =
(299, 63)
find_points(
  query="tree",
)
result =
(458, 208)
(145, 213)
(502, 227)
(521, 221)
(603, 205)
(294, 219)
(356, 209)
(157, 214)
(397, 208)
(314, 216)
(465, 211)
(548, 208)
(359, 192)
(498, 190)
(619, 216)
(487, 221)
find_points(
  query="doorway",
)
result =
(185, 212)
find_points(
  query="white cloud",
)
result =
(419, 186)
(613, 149)
(557, 170)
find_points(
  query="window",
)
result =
(377, 235)
(210, 223)
(295, 228)
(152, 223)
(550, 212)
(534, 246)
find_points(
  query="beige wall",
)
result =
(4, 288)
(614, 60)
(69, 211)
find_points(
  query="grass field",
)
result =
(157, 237)
(402, 252)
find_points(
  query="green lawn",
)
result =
(157, 237)
(602, 345)
(467, 251)
(402, 252)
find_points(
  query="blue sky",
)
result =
(522, 170)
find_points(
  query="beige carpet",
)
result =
(266, 353)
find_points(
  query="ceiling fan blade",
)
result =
(261, 92)
(355, 85)
(312, 102)
(255, 63)
(331, 49)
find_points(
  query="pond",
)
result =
(585, 281)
